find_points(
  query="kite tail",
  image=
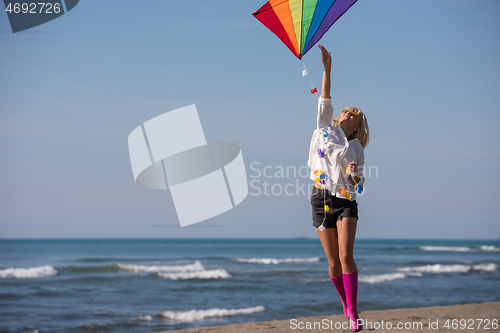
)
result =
(305, 73)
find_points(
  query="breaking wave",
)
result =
(438, 268)
(381, 277)
(25, 273)
(486, 248)
(143, 318)
(189, 271)
(183, 272)
(489, 248)
(274, 261)
(418, 271)
(202, 274)
(195, 315)
(196, 266)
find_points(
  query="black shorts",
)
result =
(338, 208)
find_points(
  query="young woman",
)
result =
(336, 159)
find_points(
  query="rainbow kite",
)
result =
(300, 24)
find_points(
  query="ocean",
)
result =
(152, 285)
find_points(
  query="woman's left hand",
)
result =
(353, 168)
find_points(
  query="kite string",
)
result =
(307, 73)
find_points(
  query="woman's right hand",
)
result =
(326, 58)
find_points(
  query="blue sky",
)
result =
(425, 72)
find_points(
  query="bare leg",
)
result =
(330, 244)
(346, 229)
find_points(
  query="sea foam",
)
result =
(418, 271)
(143, 318)
(381, 277)
(275, 261)
(446, 248)
(204, 274)
(196, 266)
(489, 248)
(485, 267)
(182, 272)
(486, 248)
(438, 268)
(24, 273)
(194, 315)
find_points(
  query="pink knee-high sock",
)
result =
(351, 292)
(338, 282)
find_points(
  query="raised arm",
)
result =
(326, 58)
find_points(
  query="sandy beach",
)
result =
(476, 317)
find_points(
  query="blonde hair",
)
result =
(363, 133)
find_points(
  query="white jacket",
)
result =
(330, 153)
